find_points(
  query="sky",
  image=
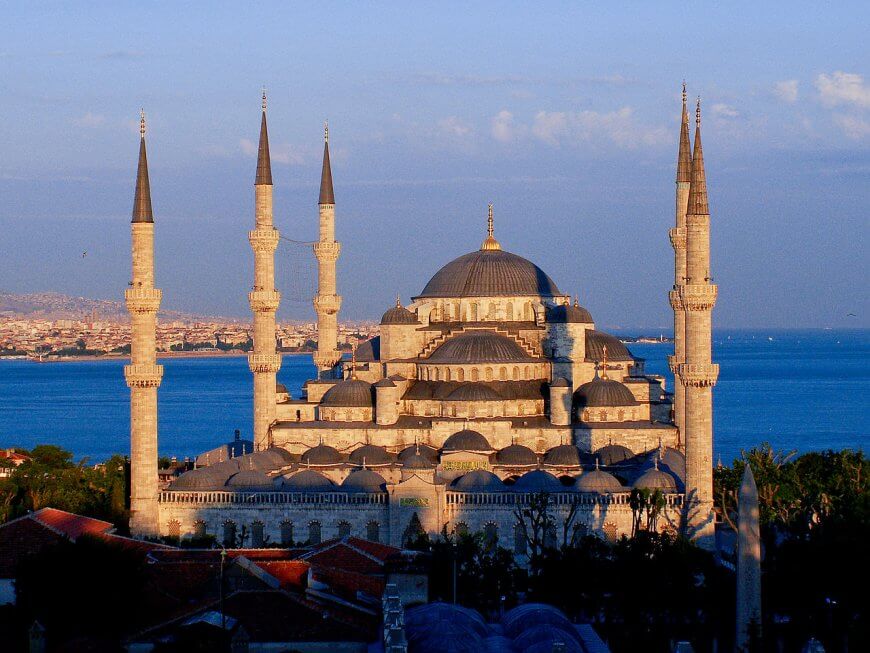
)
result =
(564, 115)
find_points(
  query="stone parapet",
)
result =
(264, 362)
(143, 375)
(264, 240)
(264, 301)
(678, 237)
(143, 300)
(698, 374)
(699, 297)
(327, 304)
(676, 299)
(327, 251)
(674, 364)
(326, 359)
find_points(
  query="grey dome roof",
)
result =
(307, 481)
(538, 481)
(385, 383)
(429, 453)
(364, 480)
(597, 340)
(480, 480)
(567, 314)
(265, 460)
(598, 481)
(560, 382)
(371, 455)
(673, 461)
(564, 455)
(281, 388)
(369, 351)
(604, 393)
(529, 615)
(322, 454)
(474, 392)
(479, 347)
(417, 461)
(249, 479)
(656, 479)
(490, 273)
(348, 394)
(466, 440)
(611, 454)
(398, 314)
(516, 455)
(202, 478)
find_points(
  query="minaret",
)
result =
(264, 299)
(698, 373)
(327, 302)
(143, 374)
(748, 627)
(678, 241)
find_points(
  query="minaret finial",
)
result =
(604, 364)
(698, 112)
(264, 98)
(353, 362)
(326, 131)
(490, 244)
(576, 302)
(142, 123)
(685, 97)
(398, 301)
(489, 227)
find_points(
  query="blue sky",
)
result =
(563, 115)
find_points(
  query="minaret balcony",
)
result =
(327, 251)
(698, 375)
(676, 300)
(264, 301)
(327, 304)
(264, 240)
(674, 364)
(678, 237)
(264, 362)
(324, 360)
(143, 375)
(143, 300)
(699, 296)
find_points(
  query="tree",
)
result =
(535, 521)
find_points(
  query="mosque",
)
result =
(489, 389)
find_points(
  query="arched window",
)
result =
(257, 539)
(502, 374)
(620, 415)
(520, 542)
(488, 374)
(528, 314)
(490, 535)
(314, 532)
(602, 415)
(229, 534)
(435, 374)
(373, 531)
(528, 372)
(516, 373)
(460, 374)
(509, 311)
(474, 312)
(286, 533)
(343, 529)
(475, 376)
(199, 529)
(461, 529)
(491, 315)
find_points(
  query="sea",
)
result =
(799, 390)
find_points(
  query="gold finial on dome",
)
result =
(398, 301)
(490, 244)
(604, 364)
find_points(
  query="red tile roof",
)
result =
(352, 554)
(20, 539)
(70, 524)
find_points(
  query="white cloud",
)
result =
(504, 128)
(279, 152)
(855, 128)
(724, 111)
(840, 88)
(90, 120)
(786, 90)
(550, 126)
(453, 126)
(618, 127)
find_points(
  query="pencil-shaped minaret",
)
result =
(327, 303)
(698, 373)
(264, 361)
(143, 374)
(748, 613)
(678, 241)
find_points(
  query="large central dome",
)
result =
(490, 273)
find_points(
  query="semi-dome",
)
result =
(656, 479)
(306, 481)
(369, 351)
(567, 314)
(322, 454)
(249, 479)
(467, 440)
(604, 393)
(490, 273)
(398, 314)
(474, 392)
(480, 480)
(350, 393)
(612, 454)
(596, 341)
(516, 455)
(538, 481)
(564, 455)
(364, 480)
(598, 481)
(370, 454)
(479, 347)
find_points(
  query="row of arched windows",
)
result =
(500, 373)
(255, 535)
(480, 311)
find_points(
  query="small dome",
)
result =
(656, 479)
(249, 479)
(567, 314)
(599, 482)
(306, 481)
(429, 453)
(369, 351)
(266, 460)
(280, 388)
(350, 393)
(419, 390)
(565, 455)
(673, 461)
(322, 454)
(604, 393)
(538, 481)
(611, 454)
(466, 440)
(385, 383)
(417, 461)
(398, 314)
(560, 382)
(371, 455)
(596, 341)
(474, 392)
(479, 480)
(202, 478)
(364, 480)
(479, 347)
(516, 455)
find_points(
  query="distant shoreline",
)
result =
(160, 355)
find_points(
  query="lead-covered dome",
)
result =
(398, 314)
(479, 347)
(474, 392)
(350, 393)
(322, 454)
(490, 273)
(604, 393)
(599, 482)
(567, 314)
(516, 455)
(370, 454)
(364, 480)
(467, 440)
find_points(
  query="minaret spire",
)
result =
(142, 198)
(698, 204)
(684, 156)
(264, 161)
(327, 196)
(490, 243)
